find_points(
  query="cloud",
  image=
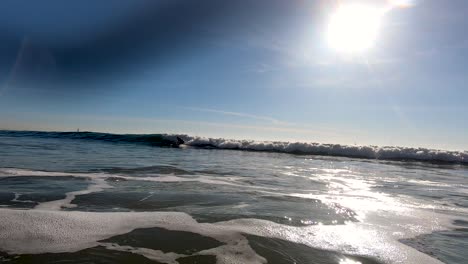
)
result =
(245, 115)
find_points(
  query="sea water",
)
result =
(102, 198)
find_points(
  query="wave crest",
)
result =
(173, 140)
(368, 152)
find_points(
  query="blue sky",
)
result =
(256, 70)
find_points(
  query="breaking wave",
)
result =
(169, 140)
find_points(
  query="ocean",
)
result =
(84, 197)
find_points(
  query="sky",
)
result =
(247, 69)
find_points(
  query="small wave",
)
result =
(169, 140)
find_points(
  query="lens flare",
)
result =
(401, 3)
(354, 28)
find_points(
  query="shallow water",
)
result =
(68, 200)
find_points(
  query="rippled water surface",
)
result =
(81, 201)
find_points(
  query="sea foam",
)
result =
(36, 231)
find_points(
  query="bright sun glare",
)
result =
(353, 28)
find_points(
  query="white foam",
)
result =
(17, 196)
(370, 152)
(36, 231)
(157, 255)
(98, 184)
(14, 172)
(97, 178)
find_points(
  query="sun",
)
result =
(354, 28)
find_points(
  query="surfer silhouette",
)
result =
(180, 141)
